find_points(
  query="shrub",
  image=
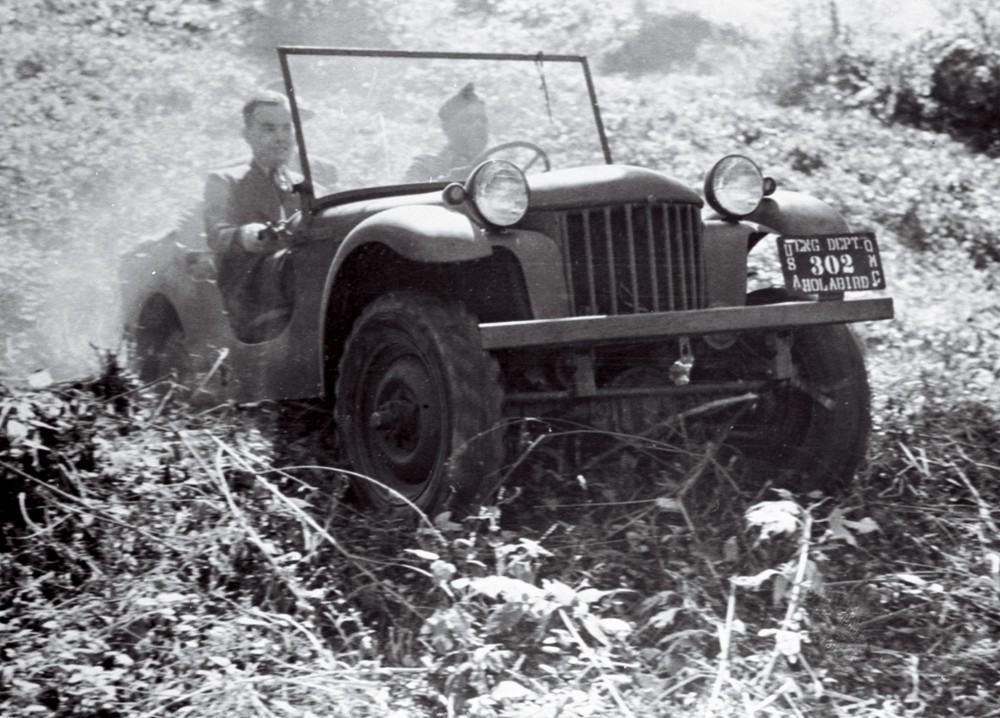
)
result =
(946, 80)
(820, 61)
(950, 83)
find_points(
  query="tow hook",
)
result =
(680, 370)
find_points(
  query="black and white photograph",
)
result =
(499, 359)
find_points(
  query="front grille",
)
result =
(633, 258)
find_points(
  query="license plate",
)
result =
(826, 263)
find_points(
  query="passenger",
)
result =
(243, 206)
(464, 123)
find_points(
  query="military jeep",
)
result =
(546, 282)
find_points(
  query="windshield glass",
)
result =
(388, 118)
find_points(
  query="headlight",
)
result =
(499, 192)
(734, 186)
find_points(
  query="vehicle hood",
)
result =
(605, 184)
(595, 185)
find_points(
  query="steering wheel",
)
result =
(537, 154)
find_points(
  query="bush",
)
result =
(946, 80)
(819, 63)
(950, 83)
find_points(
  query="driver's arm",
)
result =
(222, 233)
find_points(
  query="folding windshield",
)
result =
(368, 119)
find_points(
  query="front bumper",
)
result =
(632, 328)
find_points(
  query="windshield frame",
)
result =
(287, 51)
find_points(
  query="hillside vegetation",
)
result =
(157, 559)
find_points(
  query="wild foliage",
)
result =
(946, 79)
(156, 560)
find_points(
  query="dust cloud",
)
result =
(66, 313)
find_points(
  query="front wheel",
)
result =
(418, 405)
(811, 430)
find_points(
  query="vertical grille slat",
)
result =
(633, 258)
(695, 264)
(679, 237)
(562, 230)
(675, 277)
(633, 268)
(609, 242)
(589, 254)
(652, 265)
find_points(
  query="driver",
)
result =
(464, 123)
(243, 205)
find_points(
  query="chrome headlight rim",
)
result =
(722, 190)
(499, 192)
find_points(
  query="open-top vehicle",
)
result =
(546, 282)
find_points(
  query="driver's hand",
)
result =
(294, 223)
(253, 238)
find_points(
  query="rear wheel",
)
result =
(810, 431)
(159, 346)
(418, 405)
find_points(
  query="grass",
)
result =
(166, 564)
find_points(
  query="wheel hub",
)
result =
(398, 420)
(405, 419)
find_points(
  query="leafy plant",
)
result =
(946, 79)
(800, 576)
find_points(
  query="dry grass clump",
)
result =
(151, 565)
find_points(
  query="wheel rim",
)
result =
(401, 403)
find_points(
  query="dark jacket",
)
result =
(250, 283)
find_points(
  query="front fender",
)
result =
(420, 233)
(417, 233)
(794, 213)
(727, 242)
